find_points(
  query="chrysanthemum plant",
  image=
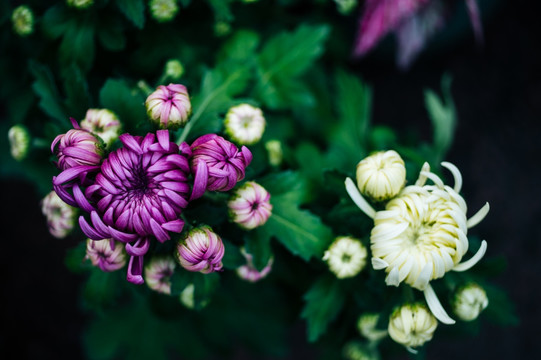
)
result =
(222, 202)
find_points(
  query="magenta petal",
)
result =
(130, 142)
(140, 247)
(163, 139)
(72, 173)
(89, 231)
(135, 270)
(64, 195)
(379, 18)
(157, 230)
(174, 226)
(81, 199)
(200, 180)
(247, 155)
(121, 236)
(475, 18)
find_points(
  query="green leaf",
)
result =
(55, 21)
(204, 287)
(179, 280)
(128, 104)
(76, 88)
(443, 116)
(44, 86)
(284, 57)
(233, 258)
(324, 300)
(240, 46)
(78, 43)
(134, 10)
(501, 310)
(300, 231)
(349, 138)
(221, 9)
(111, 34)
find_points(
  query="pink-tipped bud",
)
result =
(77, 147)
(217, 164)
(108, 254)
(249, 272)
(158, 272)
(201, 250)
(169, 106)
(250, 206)
(103, 123)
(60, 216)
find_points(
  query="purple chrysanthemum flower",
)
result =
(158, 272)
(108, 254)
(250, 206)
(169, 106)
(139, 192)
(201, 250)
(217, 164)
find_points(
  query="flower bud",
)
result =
(381, 175)
(469, 301)
(412, 325)
(187, 296)
(158, 272)
(346, 257)
(169, 106)
(23, 20)
(103, 123)
(201, 250)
(244, 124)
(222, 28)
(173, 69)
(19, 141)
(367, 326)
(107, 254)
(345, 7)
(77, 147)
(217, 164)
(249, 272)
(163, 10)
(276, 154)
(80, 4)
(60, 216)
(355, 350)
(250, 206)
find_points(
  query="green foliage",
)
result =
(125, 101)
(134, 10)
(324, 302)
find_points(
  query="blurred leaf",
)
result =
(284, 57)
(501, 310)
(134, 10)
(324, 300)
(232, 257)
(44, 86)
(204, 287)
(349, 138)
(76, 88)
(101, 288)
(443, 117)
(55, 21)
(221, 9)
(179, 280)
(78, 43)
(240, 46)
(111, 34)
(128, 104)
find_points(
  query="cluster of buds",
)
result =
(422, 231)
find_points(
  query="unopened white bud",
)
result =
(469, 301)
(346, 257)
(381, 175)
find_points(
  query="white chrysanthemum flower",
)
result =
(23, 20)
(421, 234)
(158, 272)
(163, 10)
(103, 123)
(469, 301)
(381, 175)
(276, 154)
(367, 326)
(19, 141)
(346, 257)
(412, 325)
(244, 124)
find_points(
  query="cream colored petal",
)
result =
(479, 216)
(358, 199)
(435, 306)
(474, 260)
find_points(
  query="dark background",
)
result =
(497, 93)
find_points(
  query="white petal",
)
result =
(456, 175)
(479, 216)
(423, 279)
(474, 260)
(435, 306)
(392, 278)
(412, 350)
(378, 263)
(358, 198)
(437, 181)
(422, 179)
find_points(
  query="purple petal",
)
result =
(163, 139)
(174, 226)
(140, 247)
(64, 195)
(157, 230)
(200, 180)
(81, 199)
(89, 231)
(379, 18)
(121, 236)
(130, 142)
(475, 18)
(135, 270)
